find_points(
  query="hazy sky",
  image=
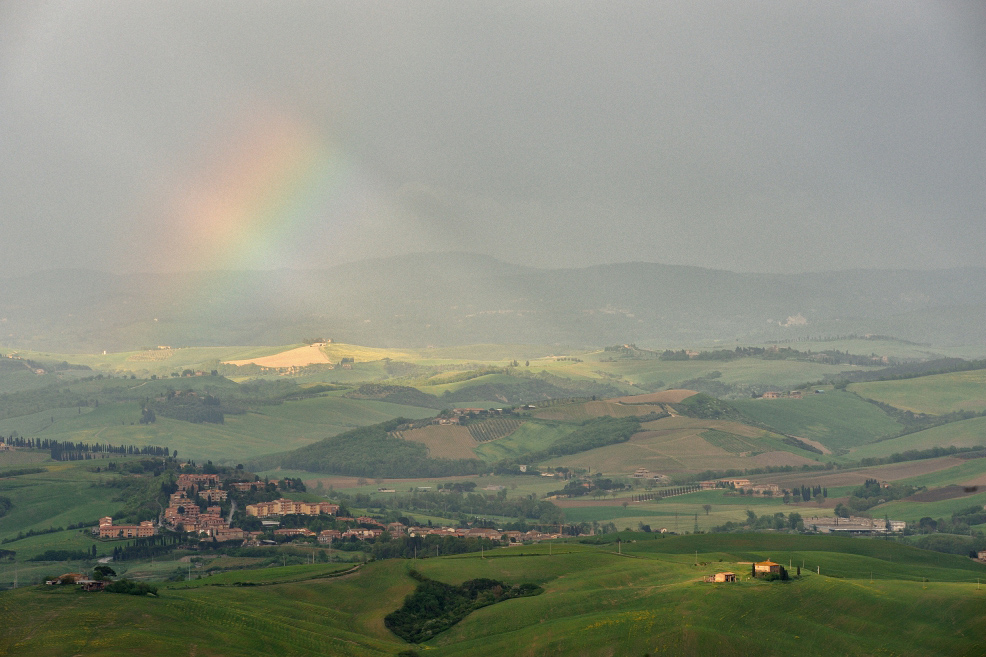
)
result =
(757, 136)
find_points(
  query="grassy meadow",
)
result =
(648, 600)
(936, 394)
(965, 433)
(837, 419)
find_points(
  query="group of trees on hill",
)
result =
(435, 606)
(188, 407)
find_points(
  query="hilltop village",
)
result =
(204, 506)
(214, 508)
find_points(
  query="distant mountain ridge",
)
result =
(458, 298)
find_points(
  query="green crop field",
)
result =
(912, 511)
(271, 428)
(66, 494)
(870, 598)
(837, 419)
(965, 433)
(530, 436)
(676, 445)
(937, 394)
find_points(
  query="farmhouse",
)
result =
(982, 555)
(721, 577)
(765, 567)
(107, 529)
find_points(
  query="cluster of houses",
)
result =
(854, 525)
(183, 510)
(774, 394)
(741, 484)
(458, 414)
(644, 473)
(370, 528)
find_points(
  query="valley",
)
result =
(615, 452)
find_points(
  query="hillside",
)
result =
(936, 394)
(455, 298)
(837, 419)
(862, 603)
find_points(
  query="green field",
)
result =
(938, 394)
(870, 598)
(676, 445)
(270, 428)
(530, 436)
(838, 420)
(67, 494)
(965, 433)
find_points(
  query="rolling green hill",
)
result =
(936, 394)
(837, 419)
(965, 433)
(869, 599)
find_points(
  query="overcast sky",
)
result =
(753, 136)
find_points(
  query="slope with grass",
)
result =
(837, 419)
(65, 494)
(531, 436)
(965, 433)
(868, 599)
(581, 411)
(679, 445)
(936, 394)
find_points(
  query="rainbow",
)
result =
(259, 198)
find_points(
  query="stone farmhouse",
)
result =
(766, 567)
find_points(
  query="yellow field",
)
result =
(307, 355)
